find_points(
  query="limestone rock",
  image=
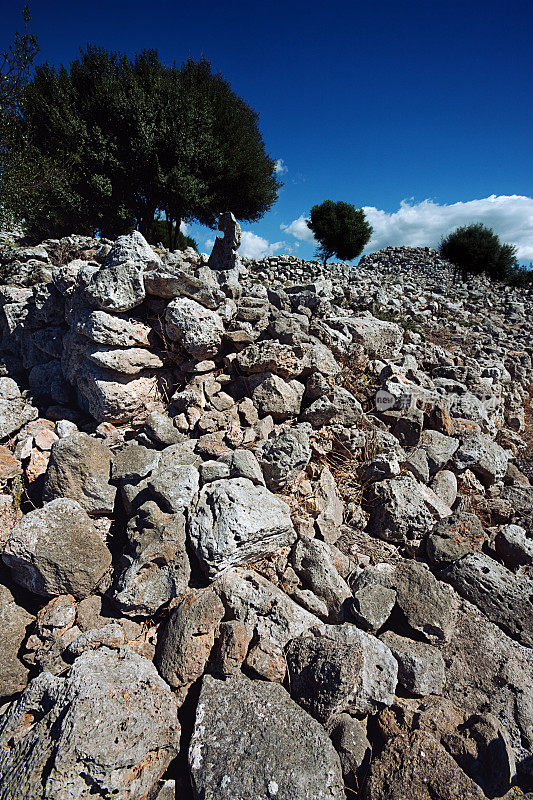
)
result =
(420, 666)
(196, 328)
(56, 718)
(116, 287)
(14, 621)
(252, 741)
(79, 468)
(235, 521)
(57, 550)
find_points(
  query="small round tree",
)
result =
(340, 229)
(476, 249)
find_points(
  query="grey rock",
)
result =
(243, 464)
(14, 620)
(483, 456)
(278, 398)
(372, 604)
(341, 668)
(270, 356)
(196, 328)
(128, 361)
(513, 547)
(313, 564)
(174, 484)
(115, 330)
(398, 511)
(252, 741)
(133, 748)
(505, 598)
(224, 254)
(161, 430)
(213, 471)
(116, 287)
(235, 521)
(439, 448)
(380, 339)
(283, 457)
(133, 462)
(79, 468)
(453, 538)
(132, 247)
(262, 606)
(232, 647)
(178, 283)
(417, 766)
(13, 415)
(444, 484)
(57, 550)
(353, 748)
(420, 666)
(186, 642)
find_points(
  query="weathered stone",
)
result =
(312, 562)
(224, 254)
(232, 647)
(186, 642)
(235, 521)
(132, 247)
(444, 485)
(13, 415)
(513, 547)
(178, 283)
(398, 512)
(174, 484)
(56, 718)
(133, 462)
(113, 330)
(278, 398)
(505, 598)
(161, 430)
(196, 328)
(267, 660)
(353, 748)
(56, 550)
(79, 468)
(483, 456)
(420, 666)
(253, 742)
(380, 339)
(14, 621)
(453, 538)
(270, 356)
(341, 668)
(283, 457)
(128, 361)
(116, 288)
(439, 448)
(417, 766)
(372, 604)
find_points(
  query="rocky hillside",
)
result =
(265, 526)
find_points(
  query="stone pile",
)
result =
(265, 527)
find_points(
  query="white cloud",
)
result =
(254, 246)
(209, 243)
(184, 228)
(298, 228)
(423, 224)
(279, 167)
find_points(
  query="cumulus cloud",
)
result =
(279, 167)
(184, 228)
(298, 228)
(254, 246)
(423, 224)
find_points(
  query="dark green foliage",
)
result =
(15, 65)
(475, 249)
(144, 139)
(340, 228)
(160, 232)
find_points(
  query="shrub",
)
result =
(476, 249)
(340, 229)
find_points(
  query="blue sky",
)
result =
(419, 111)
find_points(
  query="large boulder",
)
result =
(108, 728)
(253, 742)
(14, 621)
(79, 468)
(57, 550)
(116, 287)
(398, 510)
(132, 247)
(235, 521)
(380, 339)
(283, 457)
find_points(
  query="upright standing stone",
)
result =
(224, 254)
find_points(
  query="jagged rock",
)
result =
(186, 642)
(444, 485)
(270, 356)
(341, 668)
(235, 521)
(453, 538)
(196, 328)
(224, 254)
(329, 505)
(252, 741)
(380, 339)
(133, 462)
(439, 448)
(417, 766)
(483, 456)
(13, 415)
(173, 483)
(178, 283)
(243, 464)
(161, 431)
(312, 563)
(116, 287)
(127, 361)
(79, 468)
(420, 666)
(283, 457)
(57, 550)
(112, 397)
(275, 397)
(372, 603)
(505, 598)
(14, 620)
(353, 748)
(232, 647)
(56, 718)
(132, 247)
(398, 511)
(114, 330)
(262, 606)
(513, 547)
(158, 569)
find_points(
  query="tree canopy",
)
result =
(145, 140)
(476, 249)
(340, 229)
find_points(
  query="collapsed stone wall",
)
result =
(268, 508)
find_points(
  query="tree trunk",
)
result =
(176, 233)
(169, 232)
